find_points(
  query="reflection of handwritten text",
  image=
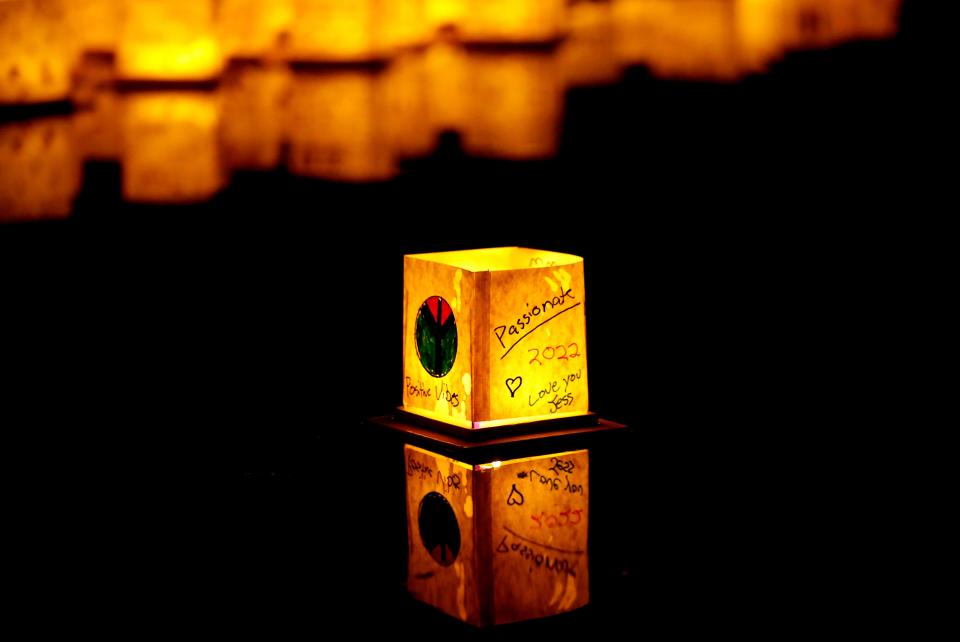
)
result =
(569, 517)
(415, 467)
(555, 483)
(530, 551)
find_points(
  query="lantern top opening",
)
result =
(499, 258)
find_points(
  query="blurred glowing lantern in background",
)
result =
(335, 126)
(253, 28)
(448, 87)
(509, 21)
(335, 31)
(252, 129)
(97, 127)
(39, 169)
(170, 152)
(445, 14)
(403, 23)
(96, 24)
(37, 52)
(693, 39)
(494, 336)
(498, 542)
(587, 57)
(168, 40)
(516, 105)
(405, 84)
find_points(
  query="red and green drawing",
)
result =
(436, 333)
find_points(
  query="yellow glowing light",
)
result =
(37, 52)
(168, 40)
(516, 105)
(336, 30)
(514, 21)
(516, 326)
(253, 28)
(499, 542)
(336, 128)
(40, 173)
(448, 87)
(403, 23)
(170, 147)
(252, 129)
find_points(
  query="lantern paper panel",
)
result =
(253, 98)
(170, 147)
(494, 336)
(37, 51)
(514, 21)
(516, 105)
(95, 24)
(168, 40)
(98, 127)
(253, 28)
(498, 542)
(335, 126)
(336, 31)
(588, 56)
(40, 169)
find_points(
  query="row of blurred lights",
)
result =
(347, 122)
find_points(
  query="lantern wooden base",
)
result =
(497, 527)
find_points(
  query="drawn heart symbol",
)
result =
(513, 501)
(514, 384)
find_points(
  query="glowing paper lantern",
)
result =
(97, 127)
(40, 174)
(168, 40)
(588, 57)
(253, 28)
(514, 21)
(37, 52)
(494, 336)
(170, 151)
(498, 542)
(252, 127)
(336, 31)
(335, 126)
(516, 105)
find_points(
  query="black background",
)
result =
(731, 237)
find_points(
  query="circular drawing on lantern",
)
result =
(436, 333)
(439, 530)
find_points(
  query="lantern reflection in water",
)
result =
(253, 28)
(40, 173)
(514, 21)
(588, 57)
(335, 126)
(170, 152)
(335, 31)
(253, 101)
(37, 51)
(168, 40)
(516, 105)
